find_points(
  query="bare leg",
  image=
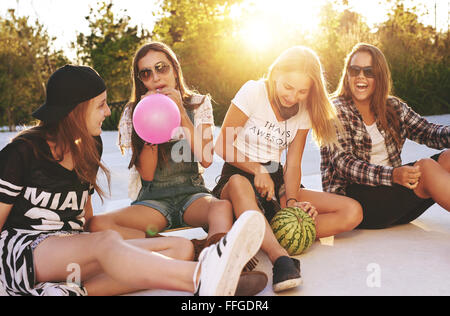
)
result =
(435, 180)
(210, 212)
(106, 252)
(173, 247)
(337, 214)
(444, 160)
(240, 192)
(131, 222)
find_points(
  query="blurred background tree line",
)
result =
(216, 59)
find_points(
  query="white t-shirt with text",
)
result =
(263, 138)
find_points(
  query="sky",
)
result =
(64, 19)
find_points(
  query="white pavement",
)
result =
(412, 259)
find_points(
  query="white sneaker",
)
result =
(221, 264)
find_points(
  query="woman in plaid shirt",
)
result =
(368, 166)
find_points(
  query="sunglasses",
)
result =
(160, 68)
(354, 71)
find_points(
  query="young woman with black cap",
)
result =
(47, 174)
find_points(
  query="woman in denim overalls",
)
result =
(173, 193)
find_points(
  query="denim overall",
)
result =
(175, 185)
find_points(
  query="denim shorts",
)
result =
(173, 208)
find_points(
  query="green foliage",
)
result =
(218, 62)
(111, 123)
(338, 33)
(26, 61)
(216, 59)
(419, 59)
(110, 47)
(199, 32)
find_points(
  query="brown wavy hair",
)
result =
(139, 89)
(384, 112)
(71, 135)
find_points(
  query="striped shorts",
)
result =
(17, 273)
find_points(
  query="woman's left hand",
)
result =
(175, 95)
(307, 207)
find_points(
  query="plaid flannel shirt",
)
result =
(351, 163)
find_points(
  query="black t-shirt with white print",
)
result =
(45, 195)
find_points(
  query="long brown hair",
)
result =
(71, 135)
(321, 111)
(139, 89)
(385, 114)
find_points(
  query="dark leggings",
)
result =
(385, 206)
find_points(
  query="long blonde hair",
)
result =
(321, 111)
(385, 114)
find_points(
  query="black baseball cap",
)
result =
(66, 88)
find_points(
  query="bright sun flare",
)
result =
(257, 34)
(265, 20)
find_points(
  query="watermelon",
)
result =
(294, 229)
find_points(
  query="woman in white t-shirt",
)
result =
(265, 118)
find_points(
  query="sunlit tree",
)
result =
(26, 61)
(109, 48)
(419, 61)
(200, 33)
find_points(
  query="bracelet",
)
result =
(287, 201)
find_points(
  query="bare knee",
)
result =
(220, 215)
(183, 249)
(426, 165)
(239, 185)
(352, 215)
(428, 169)
(444, 160)
(238, 181)
(106, 239)
(109, 236)
(99, 223)
(188, 250)
(221, 208)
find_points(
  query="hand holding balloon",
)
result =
(155, 118)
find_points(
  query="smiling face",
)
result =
(96, 113)
(157, 62)
(292, 88)
(361, 87)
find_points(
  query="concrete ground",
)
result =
(412, 259)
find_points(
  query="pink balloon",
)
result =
(155, 118)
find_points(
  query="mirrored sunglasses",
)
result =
(160, 68)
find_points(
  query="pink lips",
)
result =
(287, 104)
